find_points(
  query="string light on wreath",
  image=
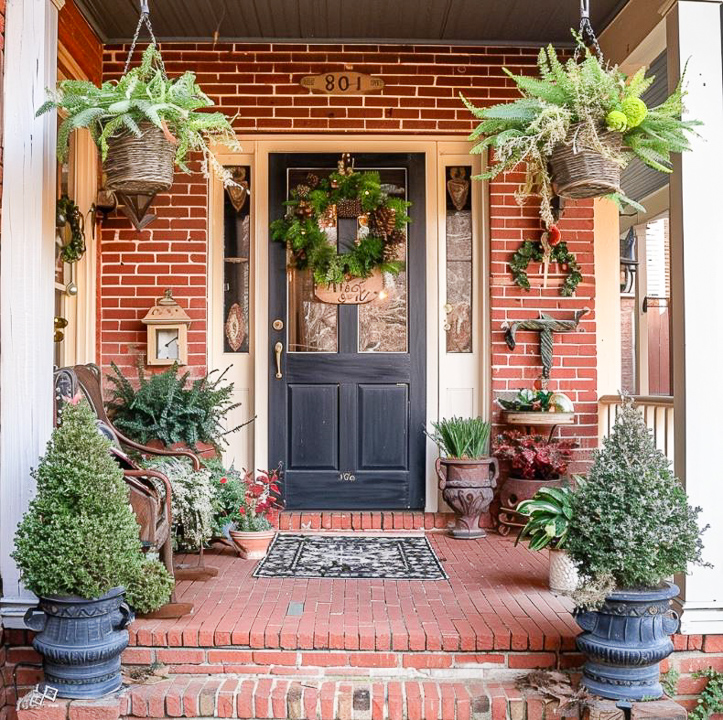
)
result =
(549, 249)
(353, 194)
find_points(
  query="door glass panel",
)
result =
(236, 262)
(459, 260)
(383, 322)
(312, 323)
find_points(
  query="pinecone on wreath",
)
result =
(302, 190)
(383, 220)
(349, 208)
(390, 253)
(312, 181)
(304, 210)
(396, 237)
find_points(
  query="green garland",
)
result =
(531, 251)
(68, 213)
(309, 244)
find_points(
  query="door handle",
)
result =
(278, 349)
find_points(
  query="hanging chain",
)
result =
(586, 32)
(144, 18)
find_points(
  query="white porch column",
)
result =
(694, 35)
(27, 242)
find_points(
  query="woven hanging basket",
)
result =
(578, 172)
(140, 165)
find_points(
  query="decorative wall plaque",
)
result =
(356, 291)
(342, 83)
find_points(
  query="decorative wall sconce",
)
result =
(167, 332)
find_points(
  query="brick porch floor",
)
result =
(496, 600)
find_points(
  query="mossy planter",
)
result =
(81, 642)
(624, 642)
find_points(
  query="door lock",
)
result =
(277, 324)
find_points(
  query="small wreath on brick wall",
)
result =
(353, 194)
(534, 251)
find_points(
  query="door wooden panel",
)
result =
(314, 418)
(346, 416)
(383, 427)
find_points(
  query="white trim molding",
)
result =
(694, 37)
(26, 274)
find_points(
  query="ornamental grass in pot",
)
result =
(549, 513)
(252, 528)
(576, 126)
(632, 528)
(77, 546)
(467, 474)
(144, 124)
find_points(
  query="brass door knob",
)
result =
(278, 349)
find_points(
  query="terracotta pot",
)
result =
(252, 545)
(512, 492)
(468, 488)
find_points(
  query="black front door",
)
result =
(346, 416)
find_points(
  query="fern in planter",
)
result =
(164, 407)
(145, 95)
(590, 105)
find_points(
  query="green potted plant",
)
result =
(143, 124)
(576, 126)
(168, 410)
(549, 513)
(77, 546)
(631, 529)
(536, 408)
(467, 474)
(530, 462)
(251, 528)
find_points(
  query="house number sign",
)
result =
(342, 83)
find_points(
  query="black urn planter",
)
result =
(624, 642)
(468, 488)
(81, 642)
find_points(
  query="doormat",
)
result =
(338, 556)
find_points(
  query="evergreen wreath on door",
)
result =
(346, 193)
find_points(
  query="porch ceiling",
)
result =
(449, 22)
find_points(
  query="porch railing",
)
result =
(657, 411)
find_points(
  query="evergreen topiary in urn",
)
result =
(77, 546)
(631, 528)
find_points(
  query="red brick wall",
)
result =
(260, 83)
(81, 43)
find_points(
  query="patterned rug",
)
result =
(337, 556)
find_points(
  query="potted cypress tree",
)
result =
(76, 547)
(467, 474)
(631, 529)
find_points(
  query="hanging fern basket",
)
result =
(140, 165)
(579, 172)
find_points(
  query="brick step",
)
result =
(243, 697)
(324, 663)
(387, 520)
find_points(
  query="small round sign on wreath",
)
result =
(352, 194)
(548, 250)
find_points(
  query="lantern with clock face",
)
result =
(167, 327)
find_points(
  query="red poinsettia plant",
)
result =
(261, 503)
(534, 457)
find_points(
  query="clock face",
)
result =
(167, 344)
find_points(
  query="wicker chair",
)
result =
(151, 506)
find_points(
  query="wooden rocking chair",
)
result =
(151, 507)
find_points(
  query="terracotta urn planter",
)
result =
(468, 488)
(512, 492)
(252, 545)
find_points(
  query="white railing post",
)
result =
(27, 260)
(694, 37)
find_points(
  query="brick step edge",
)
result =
(194, 697)
(191, 697)
(387, 520)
